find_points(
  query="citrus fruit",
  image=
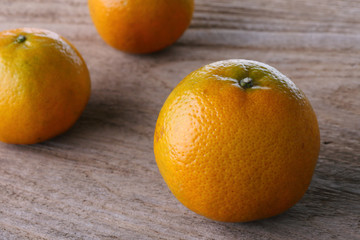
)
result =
(44, 85)
(237, 141)
(141, 26)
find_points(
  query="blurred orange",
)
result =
(141, 26)
(44, 85)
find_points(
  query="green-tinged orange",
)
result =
(44, 85)
(237, 141)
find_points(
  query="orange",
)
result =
(44, 85)
(237, 141)
(141, 26)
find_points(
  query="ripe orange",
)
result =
(237, 141)
(44, 85)
(141, 26)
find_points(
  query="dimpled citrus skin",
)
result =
(44, 85)
(141, 26)
(237, 154)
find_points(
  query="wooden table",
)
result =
(100, 180)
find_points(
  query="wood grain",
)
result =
(100, 181)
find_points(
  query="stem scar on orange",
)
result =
(141, 26)
(44, 85)
(237, 141)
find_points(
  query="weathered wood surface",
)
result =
(100, 180)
